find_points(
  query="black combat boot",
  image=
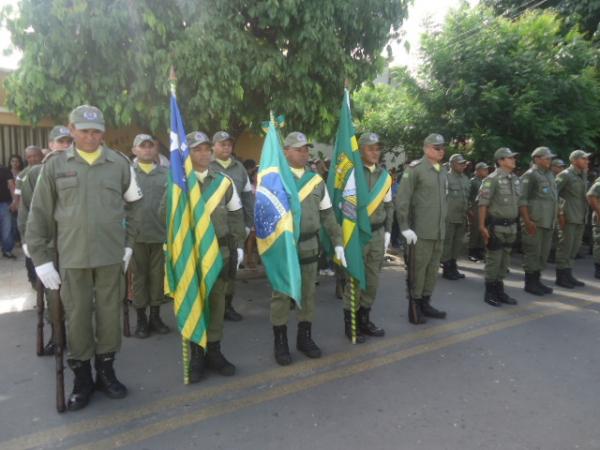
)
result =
(155, 324)
(491, 294)
(574, 281)
(481, 254)
(231, 314)
(562, 279)
(196, 369)
(454, 267)
(447, 271)
(106, 380)
(538, 279)
(531, 285)
(503, 296)
(216, 361)
(83, 386)
(365, 325)
(430, 311)
(551, 256)
(597, 271)
(281, 348)
(415, 315)
(360, 338)
(141, 326)
(473, 255)
(304, 342)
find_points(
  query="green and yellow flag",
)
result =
(350, 194)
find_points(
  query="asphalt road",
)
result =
(524, 377)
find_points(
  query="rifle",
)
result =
(126, 329)
(39, 301)
(56, 310)
(414, 309)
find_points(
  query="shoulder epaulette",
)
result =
(50, 155)
(415, 163)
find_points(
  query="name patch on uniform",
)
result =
(66, 174)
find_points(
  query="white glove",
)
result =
(410, 236)
(25, 250)
(386, 241)
(340, 255)
(240, 258)
(247, 231)
(127, 258)
(48, 275)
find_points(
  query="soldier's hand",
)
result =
(240, 258)
(127, 258)
(25, 250)
(340, 255)
(48, 275)
(386, 241)
(531, 228)
(485, 234)
(410, 236)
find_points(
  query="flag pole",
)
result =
(353, 307)
(185, 343)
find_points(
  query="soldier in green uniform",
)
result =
(381, 216)
(456, 220)
(538, 206)
(148, 255)
(84, 200)
(421, 209)
(228, 222)
(476, 244)
(59, 140)
(593, 198)
(558, 165)
(224, 162)
(316, 212)
(498, 201)
(33, 156)
(571, 184)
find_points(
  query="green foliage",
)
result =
(521, 83)
(235, 60)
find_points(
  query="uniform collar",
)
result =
(71, 153)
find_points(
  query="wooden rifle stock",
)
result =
(58, 323)
(126, 329)
(39, 301)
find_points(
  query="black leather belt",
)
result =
(377, 226)
(309, 260)
(501, 222)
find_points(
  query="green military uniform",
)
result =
(93, 227)
(421, 205)
(381, 217)
(558, 165)
(594, 191)
(148, 265)
(228, 222)
(237, 172)
(540, 199)
(476, 244)
(456, 225)
(316, 212)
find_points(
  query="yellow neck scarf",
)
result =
(146, 167)
(90, 157)
(225, 163)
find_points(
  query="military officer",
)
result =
(228, 222)
(421, 209)
(456, 220)
(571, 184)
(316, 212)
(148, 263)
(593, 198)
(538, 205)
(224, 162)
(558, 165)
(81, 195)
(476, 244)
(498, 201)
(381, 216)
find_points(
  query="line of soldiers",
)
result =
(92, 211)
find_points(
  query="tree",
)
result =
(235, 59)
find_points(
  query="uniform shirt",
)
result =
(150, 224)
(24, 188)
(317, 211)
(571, 184)
(500, 192)
(237, 172)
(595, 192)
(91, 205)
(384, 213)
(458, 197)
(228, 217)
(421, 201)
(539, 195)
(474, 185)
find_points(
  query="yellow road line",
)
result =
(167, 425)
